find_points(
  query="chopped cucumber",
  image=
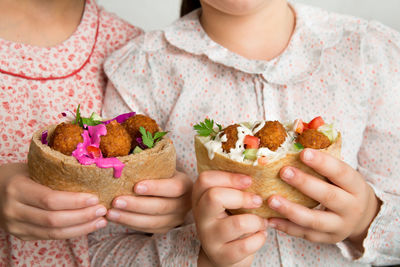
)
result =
(250, 154)
(137, 150)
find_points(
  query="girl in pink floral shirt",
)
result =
(52, 55)
(266, 60)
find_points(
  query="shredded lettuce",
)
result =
(329, 130)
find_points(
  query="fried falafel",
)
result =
(117, 141)
(231, 133)
(66, 137)
(312, 138)
(133, 124)
(272, 135)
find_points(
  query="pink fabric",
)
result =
(30, 103)
(341, 68)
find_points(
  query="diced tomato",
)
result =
(262, 161)
(316, 123)
(298, 126)
(305, 126)
(95, 152)
(251, 142)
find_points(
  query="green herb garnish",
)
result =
(93, 120)
(148, 139)
(298, 146)
(206, 128)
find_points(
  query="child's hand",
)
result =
(350, 202)
(161, 206)
(31, 211)
(226, 240)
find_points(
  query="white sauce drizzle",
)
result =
(236, 154)
(259, 127)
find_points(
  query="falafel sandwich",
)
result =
(260, 149)
(103, 157)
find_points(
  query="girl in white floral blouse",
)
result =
(250, 60)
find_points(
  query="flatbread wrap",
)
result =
(108, 168)
(260, 150)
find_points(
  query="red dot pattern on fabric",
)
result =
(37, 84)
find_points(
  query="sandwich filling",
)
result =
(263, 142)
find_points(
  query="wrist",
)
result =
(358, 236)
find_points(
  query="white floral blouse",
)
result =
(345, 69)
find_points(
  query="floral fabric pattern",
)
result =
(342, 68)
(37, 84)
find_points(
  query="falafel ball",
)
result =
(311, 138)
(133, 124)
(231, 133)
(66, 137)
(117, 141)
(272, 135)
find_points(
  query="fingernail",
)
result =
(141, 188)
(101, 224)
(257, 200)
(101, 212)
(275, 203)
(288, 173)
(245, 180)
(120, 203)
(92, 201)
(271, 224)
(308, 155)
(114, 215)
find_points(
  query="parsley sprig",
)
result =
(93, 120)
(148, 139)
(206, 128)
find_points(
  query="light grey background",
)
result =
(155, 14)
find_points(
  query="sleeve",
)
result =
(118, 246)
(379, 156)
(136, 83)
(115, 31)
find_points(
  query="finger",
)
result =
(209, 179)
(324, 221)
(237, 226)
(238, 250)
(34, 232)
(293, 229)
(176, 186)
(331, 196)
(337, 171)
(142, 221)
(57, 219)
(42, 197)
(217, 199)
(152, 205)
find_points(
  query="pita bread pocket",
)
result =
(215, 150)
(87, 168)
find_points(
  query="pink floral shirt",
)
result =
(342, 68)
(37, 84)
